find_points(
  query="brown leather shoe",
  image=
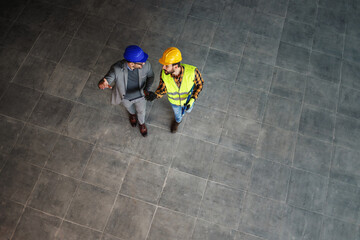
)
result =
(143, 129)
(174, 126)
(133, 120)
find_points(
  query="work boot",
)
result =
(174, 126)
(143, 129)
(133, 120)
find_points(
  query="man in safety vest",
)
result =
(181, 82)
(133, 77)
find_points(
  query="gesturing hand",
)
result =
(103, 84)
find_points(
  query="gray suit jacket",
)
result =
(118, 74)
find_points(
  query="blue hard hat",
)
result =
(134, 53)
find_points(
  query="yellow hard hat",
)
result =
(170, 56)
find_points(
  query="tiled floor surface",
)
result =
(270, 151)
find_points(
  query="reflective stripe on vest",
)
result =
(175, 95)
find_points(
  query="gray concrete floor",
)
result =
(270, 151)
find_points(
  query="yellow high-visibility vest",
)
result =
(176, 95)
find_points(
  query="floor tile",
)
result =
(307, 190)
(262, 217)
(86, 123)
(51, 45)
(67, 82)
(34, 145)
(293, 58)
(21, 37)
(333, 229)
(229, 39)
(350, 75)
(95, 29)
(103, 8)
(53, 193)
(17, 180)
(298, 33)
(199, 122)
(167, 23)
(347, 132)
(36, 13)
(321, 93)
(261, 48)
(10, 131)
(215, 94)
(107, 168)
(352, 24)
(302, 11)
(222, 65)
(221, 205)
(140, 15)
(351, 51)
(198, 31)
(247, 102)
(318, 123)
(158, 147)
(240, 133)
(123, 35)
(170, 225)
(10, 61)
(64, 20)
(283, 113)
(130, 219)
(182, 192)
(231, 168)
(255, 74)
(267, 25)
(275, 7)
(325, 67)
(209, 10)
(107, 58)
(328, 42)
(194, 156)
(51, 112)
(275, 144)
(11, 213)
(3, 160)
(35, 73)
(312, 155)
(36, 225)
(144, 181)
(269, 179)
(85, 210)
(348, 102)
(345, 166)
(12, 9)
(333, 18)
(301, 224)
(81, 54)
(72, 231)
(91, 94)
(192, 54)
(288, 84)
(69, 157)
(206, 230)
(238, 14)
(342, 202)
(18, 102)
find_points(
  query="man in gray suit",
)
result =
(133, 77)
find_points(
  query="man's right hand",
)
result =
(103, 84)
(151, 96)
